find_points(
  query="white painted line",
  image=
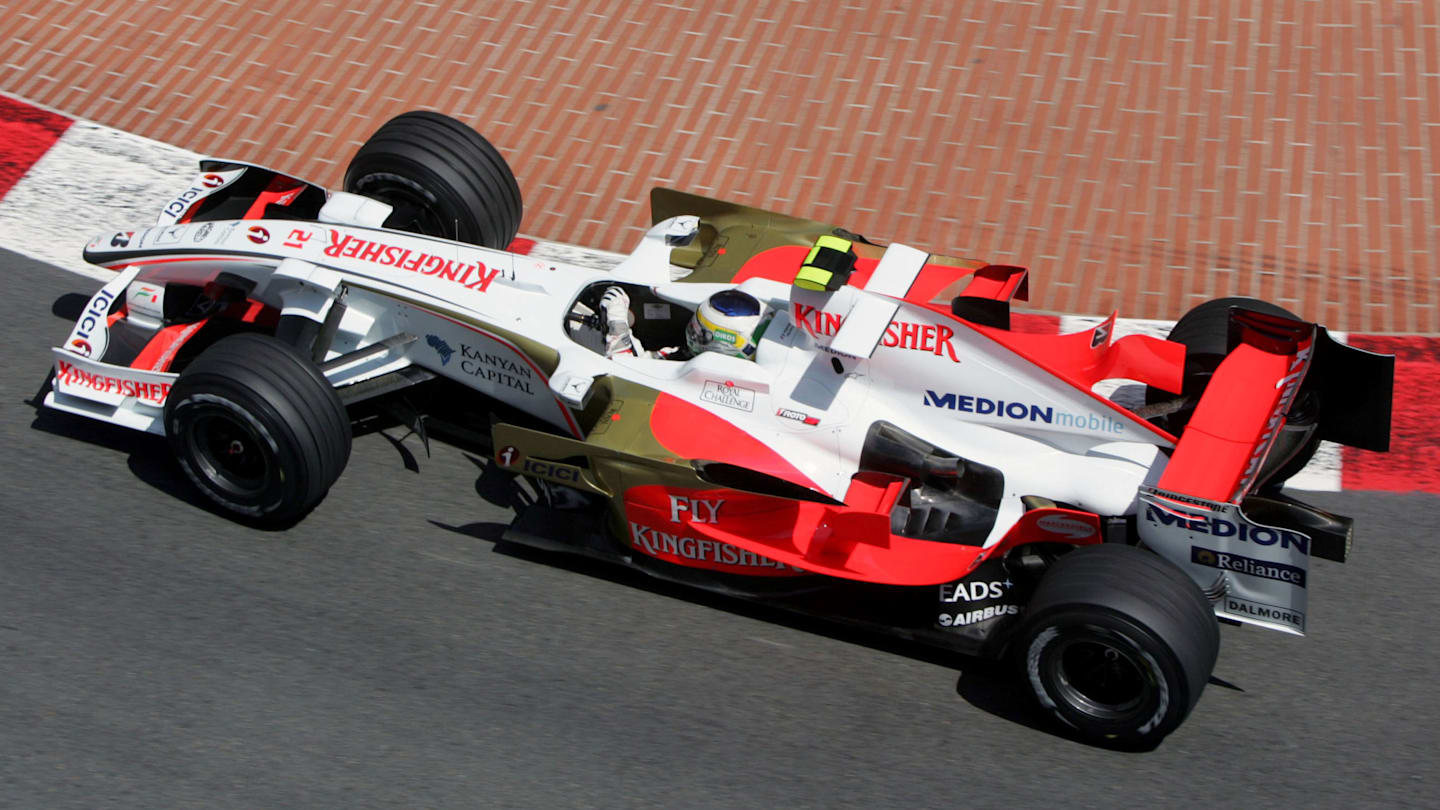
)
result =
(96, 179)
(1124, 327)
(93, 179)
(1322, 474)
(574, 254)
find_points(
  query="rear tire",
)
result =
(1205, 333)
(442, 178)
(258, 428)
(1118, 644)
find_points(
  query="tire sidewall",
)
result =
(457, 181)
(285, 466)
(293, 431)
(368, 169)
(1163, 704)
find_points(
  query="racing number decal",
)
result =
(298, 238)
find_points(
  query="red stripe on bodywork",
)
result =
(114, 264)
(933, 287)
(160, 352)
(691, 432)
(938, 282)
(705, 528)
(281, 191)
(26, 133)
(671, 525)
(1413, 463)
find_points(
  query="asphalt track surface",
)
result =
(386, 653)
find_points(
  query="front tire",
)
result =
(1118, 644)
(442, 178)
(258, 428)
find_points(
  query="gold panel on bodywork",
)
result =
(731, 233)
(621, 450)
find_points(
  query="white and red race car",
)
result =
(892, 453)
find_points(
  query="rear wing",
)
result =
(1275, 361)
(1354, 390)
(1250, 552)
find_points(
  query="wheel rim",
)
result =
(1101, 677)
(415, 210)
(231, 454)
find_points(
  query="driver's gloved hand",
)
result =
(615, 305)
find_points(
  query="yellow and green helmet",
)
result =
(728, 322)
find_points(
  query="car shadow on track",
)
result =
(998, 688)
(619, 574)
(994, 687)
(69, 307)
(147, 456)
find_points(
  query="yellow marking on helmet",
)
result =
(720, 333)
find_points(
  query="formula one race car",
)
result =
(886, 451)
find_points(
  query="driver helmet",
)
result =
(728, 322)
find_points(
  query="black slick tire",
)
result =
(258, 428)
(1205, 333)
(442, 178)
(1117, 644)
